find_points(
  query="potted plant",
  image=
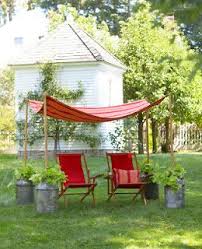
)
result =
(148, 170)
(46, 190)
(24, 186)
(172, 179)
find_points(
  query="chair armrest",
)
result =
(96, 176)
(109, 175)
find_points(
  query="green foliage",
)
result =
(124, 135)
(7, 87)
(168, 176)
(52, 176)
(159, 62)
(7, 112)
(150, 169)
(8, 8)
(57, 129)
(24, 172)
(109, 11)
(147, 167)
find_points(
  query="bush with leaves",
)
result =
(24, 172)
(124, 136)
(169, 176)
(7, 110)
(159, 62)
(51, 175)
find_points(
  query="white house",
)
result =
(23, 32)
(79, 58)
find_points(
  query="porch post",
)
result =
(147, 135)
(45, 132)
(26, 133)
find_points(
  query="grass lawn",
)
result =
(120, 223)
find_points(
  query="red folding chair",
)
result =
(122, 175)
(72, 165)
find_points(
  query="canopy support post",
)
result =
(45, 132)
(171, 129)
(26, 133)
(147, 136)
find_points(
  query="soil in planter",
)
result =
(24, 192)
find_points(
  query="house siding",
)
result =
(102, 85)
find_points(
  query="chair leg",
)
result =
(135, 196)
(143, 197)
(110, 195)
(93, 196)
(86, 194)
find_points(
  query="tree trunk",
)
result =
(29, 5)
(154, 126)
(129, 9)
(140, 134)
(167, 135)
(10, 15)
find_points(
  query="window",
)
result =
(18, 41)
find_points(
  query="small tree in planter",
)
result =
(172, 178)
(24, 186)
(152, 188)
(47, 190)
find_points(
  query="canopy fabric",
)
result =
(61, 111)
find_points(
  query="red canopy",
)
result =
(59, 110)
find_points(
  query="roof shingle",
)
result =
(68, 43)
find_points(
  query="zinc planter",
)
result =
(152, 191)
(24, 192)
(175, 199)
(46, 198)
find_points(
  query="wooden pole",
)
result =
(26, 134)
(45, 132)
(171, 129)
(147, 136)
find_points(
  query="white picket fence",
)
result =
(187, 137)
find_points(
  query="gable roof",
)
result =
(68, 43)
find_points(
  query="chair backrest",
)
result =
(121, 161)
(71, 165)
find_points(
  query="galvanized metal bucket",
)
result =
(24, 192)
(175, 199)
(46, 198)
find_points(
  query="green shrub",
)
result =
(169, 176)
(52, 176)
(24, 172)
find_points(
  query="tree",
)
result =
(7, 120)
(188, 14)
(109, 11)
(159, 63)
(57, 129)
(8, 8)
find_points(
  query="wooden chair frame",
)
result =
(112, 189)
(91, 180)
